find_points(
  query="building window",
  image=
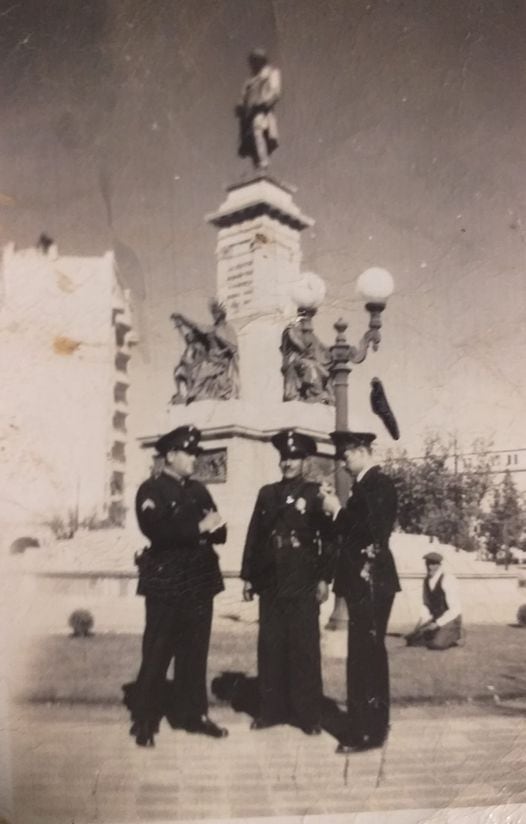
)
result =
(118, 451)
(120, 334)
(117, 483)
(121, 361)
(117, 513)
(119, 421)
(120, 392)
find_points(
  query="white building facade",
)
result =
(66, 337)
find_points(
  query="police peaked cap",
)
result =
(183, 439)
(434, 557)
(291, 444)
(343, 440)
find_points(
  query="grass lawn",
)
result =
(93, 670)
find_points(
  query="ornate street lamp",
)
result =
(375, 286)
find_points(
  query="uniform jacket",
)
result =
(180, 560)
(367, 520)
(288, 546)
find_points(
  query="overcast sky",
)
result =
(402, 127)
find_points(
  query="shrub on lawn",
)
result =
(81, 622)
(521, 615)
(20, 545)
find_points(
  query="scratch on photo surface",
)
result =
(346, 772)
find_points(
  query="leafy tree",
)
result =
(504, 525)
(440, 494)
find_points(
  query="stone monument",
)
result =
(261, 367)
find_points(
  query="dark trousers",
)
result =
(289, 660)
(178, 629)
(367, 666)
(437, 639)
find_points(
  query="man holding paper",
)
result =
(178, 576)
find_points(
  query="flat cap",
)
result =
(291, 444)
(434, 557)
(184, 439)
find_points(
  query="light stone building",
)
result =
(66, 338)
(502, 461)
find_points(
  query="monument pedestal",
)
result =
(258, 261)
(258, 248)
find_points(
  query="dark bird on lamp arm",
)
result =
(380, 407)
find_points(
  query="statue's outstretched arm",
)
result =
(226, 341)
(181, 320)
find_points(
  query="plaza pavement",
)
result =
(75, 764)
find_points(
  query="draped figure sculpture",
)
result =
(209, 365)
(306, 363)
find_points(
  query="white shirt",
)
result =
(450, 588)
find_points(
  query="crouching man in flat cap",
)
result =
(366, 577)
(440, 624)
(179, 576)
(288, 562)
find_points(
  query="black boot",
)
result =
(312, 729)
(351, 745)
(205, 726)
(144, 732)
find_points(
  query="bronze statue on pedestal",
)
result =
(258, 128)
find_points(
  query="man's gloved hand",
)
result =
(329, 500)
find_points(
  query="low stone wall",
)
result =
(42, 602)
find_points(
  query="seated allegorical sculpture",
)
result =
(209, 365)
(306, 363)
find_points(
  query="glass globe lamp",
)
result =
(375, 285)
(309, 292)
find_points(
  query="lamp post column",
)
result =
(341, 367)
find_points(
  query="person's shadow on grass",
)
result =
(242, 693)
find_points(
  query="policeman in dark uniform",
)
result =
(179, 576)
(288, 562)
(366, 577)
